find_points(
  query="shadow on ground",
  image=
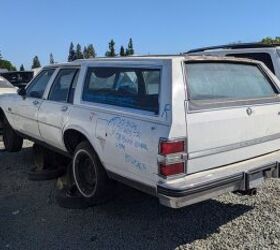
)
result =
(31, 219)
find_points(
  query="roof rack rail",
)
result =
(234, 46)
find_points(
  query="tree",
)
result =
(85, 52)
(270, 40)
(36, 63)
(5, 64)
(130, 49)
(21, 68)
(111, 52)
(91, 51)
(72, 53)
(51, 59)
(79, 54)
(122, 52)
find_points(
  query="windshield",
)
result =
(4, 83)
(233, 81)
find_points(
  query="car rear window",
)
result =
(227, 81)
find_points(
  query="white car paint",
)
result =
(214, 137)
(6, 87)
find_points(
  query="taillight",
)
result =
(172, 157)
(171, 147)
(172, 169)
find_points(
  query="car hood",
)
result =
(7, 91)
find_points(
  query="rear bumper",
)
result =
(205, 185)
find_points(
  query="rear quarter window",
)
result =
(135, 88)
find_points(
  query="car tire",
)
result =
(47, 164)
(45, 174)
(67, 194)
(70, 199)
(90, 176)
(12, 141)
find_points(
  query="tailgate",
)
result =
(232, 126)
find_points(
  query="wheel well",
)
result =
(72, 138)
(2, 118)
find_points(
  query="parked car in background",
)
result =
(18, 78)
(6, 86)
(269, 54)
(182, 128)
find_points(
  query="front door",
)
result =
(25, 110)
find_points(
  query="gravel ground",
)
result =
(31, 219)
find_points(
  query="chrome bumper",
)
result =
(205, 185)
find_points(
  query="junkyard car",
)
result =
(6, 87)
(184, 129)
(269, 54)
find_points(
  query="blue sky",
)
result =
(30, 27)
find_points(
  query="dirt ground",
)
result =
(31, 219)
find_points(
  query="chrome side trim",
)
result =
(212, 151)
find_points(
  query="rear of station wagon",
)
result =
(210, 126)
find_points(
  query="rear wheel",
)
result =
(89, 175)
(12, 141)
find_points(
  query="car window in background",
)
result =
(263, 57)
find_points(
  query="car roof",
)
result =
(235, 46)
(150, 58)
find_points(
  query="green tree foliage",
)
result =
(79, 54)
(130, 49)
(91, 51)
(5, 64)
(122, 51)
(270, 40)
(51, 59)
(72, 53)
(36, 63)
(21, 68)
(111, 52)
(85, 52)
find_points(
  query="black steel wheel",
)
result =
(89, 175)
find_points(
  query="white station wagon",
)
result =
(184, 129)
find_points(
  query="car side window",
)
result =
(37, 87)
(62, 85)
(135, 88)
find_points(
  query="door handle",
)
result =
(35, 102)
(64, 108)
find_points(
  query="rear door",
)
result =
(233, 114)
(53, 113)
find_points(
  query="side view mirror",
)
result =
(21, 92)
